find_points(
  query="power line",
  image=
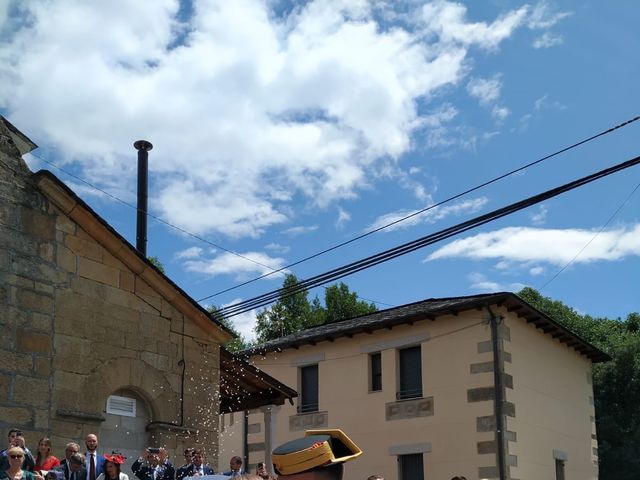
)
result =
(430, 207)
(354, 239)
(586, 245)
(403, 249)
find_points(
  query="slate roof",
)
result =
(430, 309)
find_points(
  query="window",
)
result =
(559, 469)
(410, 467)
(410, 369)
(308, 389)
(375, 365)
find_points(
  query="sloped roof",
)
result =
(429, 310)
(244, 387)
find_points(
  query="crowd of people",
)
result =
(18, 463)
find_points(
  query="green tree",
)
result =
(340, 303)
(616, 383)
(236, 344)
(292, 312)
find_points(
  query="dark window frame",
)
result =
(375, 372)
(409, 373)
(308, 401)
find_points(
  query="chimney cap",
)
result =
(143, 145)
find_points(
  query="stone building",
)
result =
(484, 386)
(95, 339)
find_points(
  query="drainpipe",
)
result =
(245, 440)
(499, 397)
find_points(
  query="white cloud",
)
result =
(552, 246)
(547, 40)
(247, 110)
(236, 266)
(430, 216)
(343, 218)
(300, 230)
(447, 20)
(539, 217)
(191, 252)
(536, 271)
(486, 90)
(542, 16)
(277, 248)
(481, 283)
(500, 113)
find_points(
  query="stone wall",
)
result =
(79, 325)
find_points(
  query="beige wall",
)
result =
(553, 397)
(78, 325)
(344, 384)
(551, 400)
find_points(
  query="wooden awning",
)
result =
(244, 387)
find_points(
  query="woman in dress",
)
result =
(15, 455)
(44, 459)
(112, 464)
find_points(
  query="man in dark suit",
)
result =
(197, 467)
(153, 465)
(73, 467)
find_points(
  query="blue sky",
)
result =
(282, 128)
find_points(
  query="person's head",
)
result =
(319, 455)
(459, 478)
(75, 462)
(198, 457)
(91, 441)
(235, 464)
(376, 477)
(111, 469)
(44, 447)
(15, 438)
(112, 464)
(70, 449)
(261, 470)
(188, 454)
(15, 455)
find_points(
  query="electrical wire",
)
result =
(347, 242)
(605, 225)
(403, 249)
(430, 207)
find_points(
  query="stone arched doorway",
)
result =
(124, 429)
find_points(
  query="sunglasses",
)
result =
(15, 457)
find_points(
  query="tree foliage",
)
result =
(292, 313)
(616, 383)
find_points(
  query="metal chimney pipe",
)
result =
(143, 148)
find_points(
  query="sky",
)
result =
(282, 128)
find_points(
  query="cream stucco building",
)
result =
(483, 386)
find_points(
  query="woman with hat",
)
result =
(112, 465)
